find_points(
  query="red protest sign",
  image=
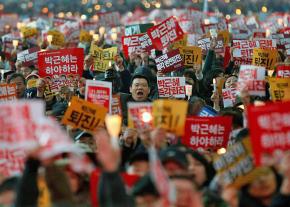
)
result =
(28, 57)
(99, 92)
(269, 130)
(252, 78)
(229, 97)
(283, 71)
(207, 132)
(140, 115)
(170, 61)
(7, 92)
(109, 19)
(165, 33)
(131, 44)
(146, 43)
(116, 105)
(61, 67)
(171, 86)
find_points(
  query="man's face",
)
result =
(20, 86)
(140, 89)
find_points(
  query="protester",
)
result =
(149, 108)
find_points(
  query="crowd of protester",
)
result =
(190, 172)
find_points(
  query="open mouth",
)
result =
(140, 93)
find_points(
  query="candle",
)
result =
(114, 36)
(214, 84)
(15, 44)
(146, 116)
(113, 124)
(96, 37)
(110, 64)
(102, 30)
(188, 90)
(49, 39)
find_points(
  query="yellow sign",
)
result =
(44, 194)
(236, 167)
(191, 55)
(279, 89)
(170, 114)
(180, 43)
(265, 57)
(225, 34)
(85, 36)
(84, 115)
(102, 57)
(28, 31)
(31, 83)
(58, 38)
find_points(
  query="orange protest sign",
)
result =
(179, 43)
(225, 34)
(191, 55)
(28, 31)
(170, 114)
(85, 36)
(58, 38)
(236, 167)
(7, 92)
(31, 83)
(279, 89)
(265, 57)
(84, 115)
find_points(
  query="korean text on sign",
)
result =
(191, 55)
(63, 61)
(265, 58)
(279, 89)
(283, 71)
(7, 92)
(84, 115)
(139, 115)
(170, 115)
(170, 61)
(269, 127)
(102, 57)
(171, 86)
(236, 166)
(252, 78)
(207, 132)
(165, 33)
(131, 44)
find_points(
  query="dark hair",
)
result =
(16, 75)
(236, 114)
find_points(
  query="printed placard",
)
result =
(7, 92)
(62, 67)
(18, 119)
(71, 31)
(207, 132)
(102, 57)
(131, 44)
(58, 38)
(171, 87)
(244, 48)
(165, 33)
(84, 115)
(283, 71)
(229, 96)
(236, 167)
(207, 111)
(269, 131)
(137, 28)
(109, 19)
(252, 78)
(28, 32)
(191, 55)
(85, 36)
(279, 89)
(99, 92)
(180, 43)
(116, 105)
(146, 43)
(140, 115)
(265, 57)
(204, 44)
(28, 57)
(170, 115)
(170, 61)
